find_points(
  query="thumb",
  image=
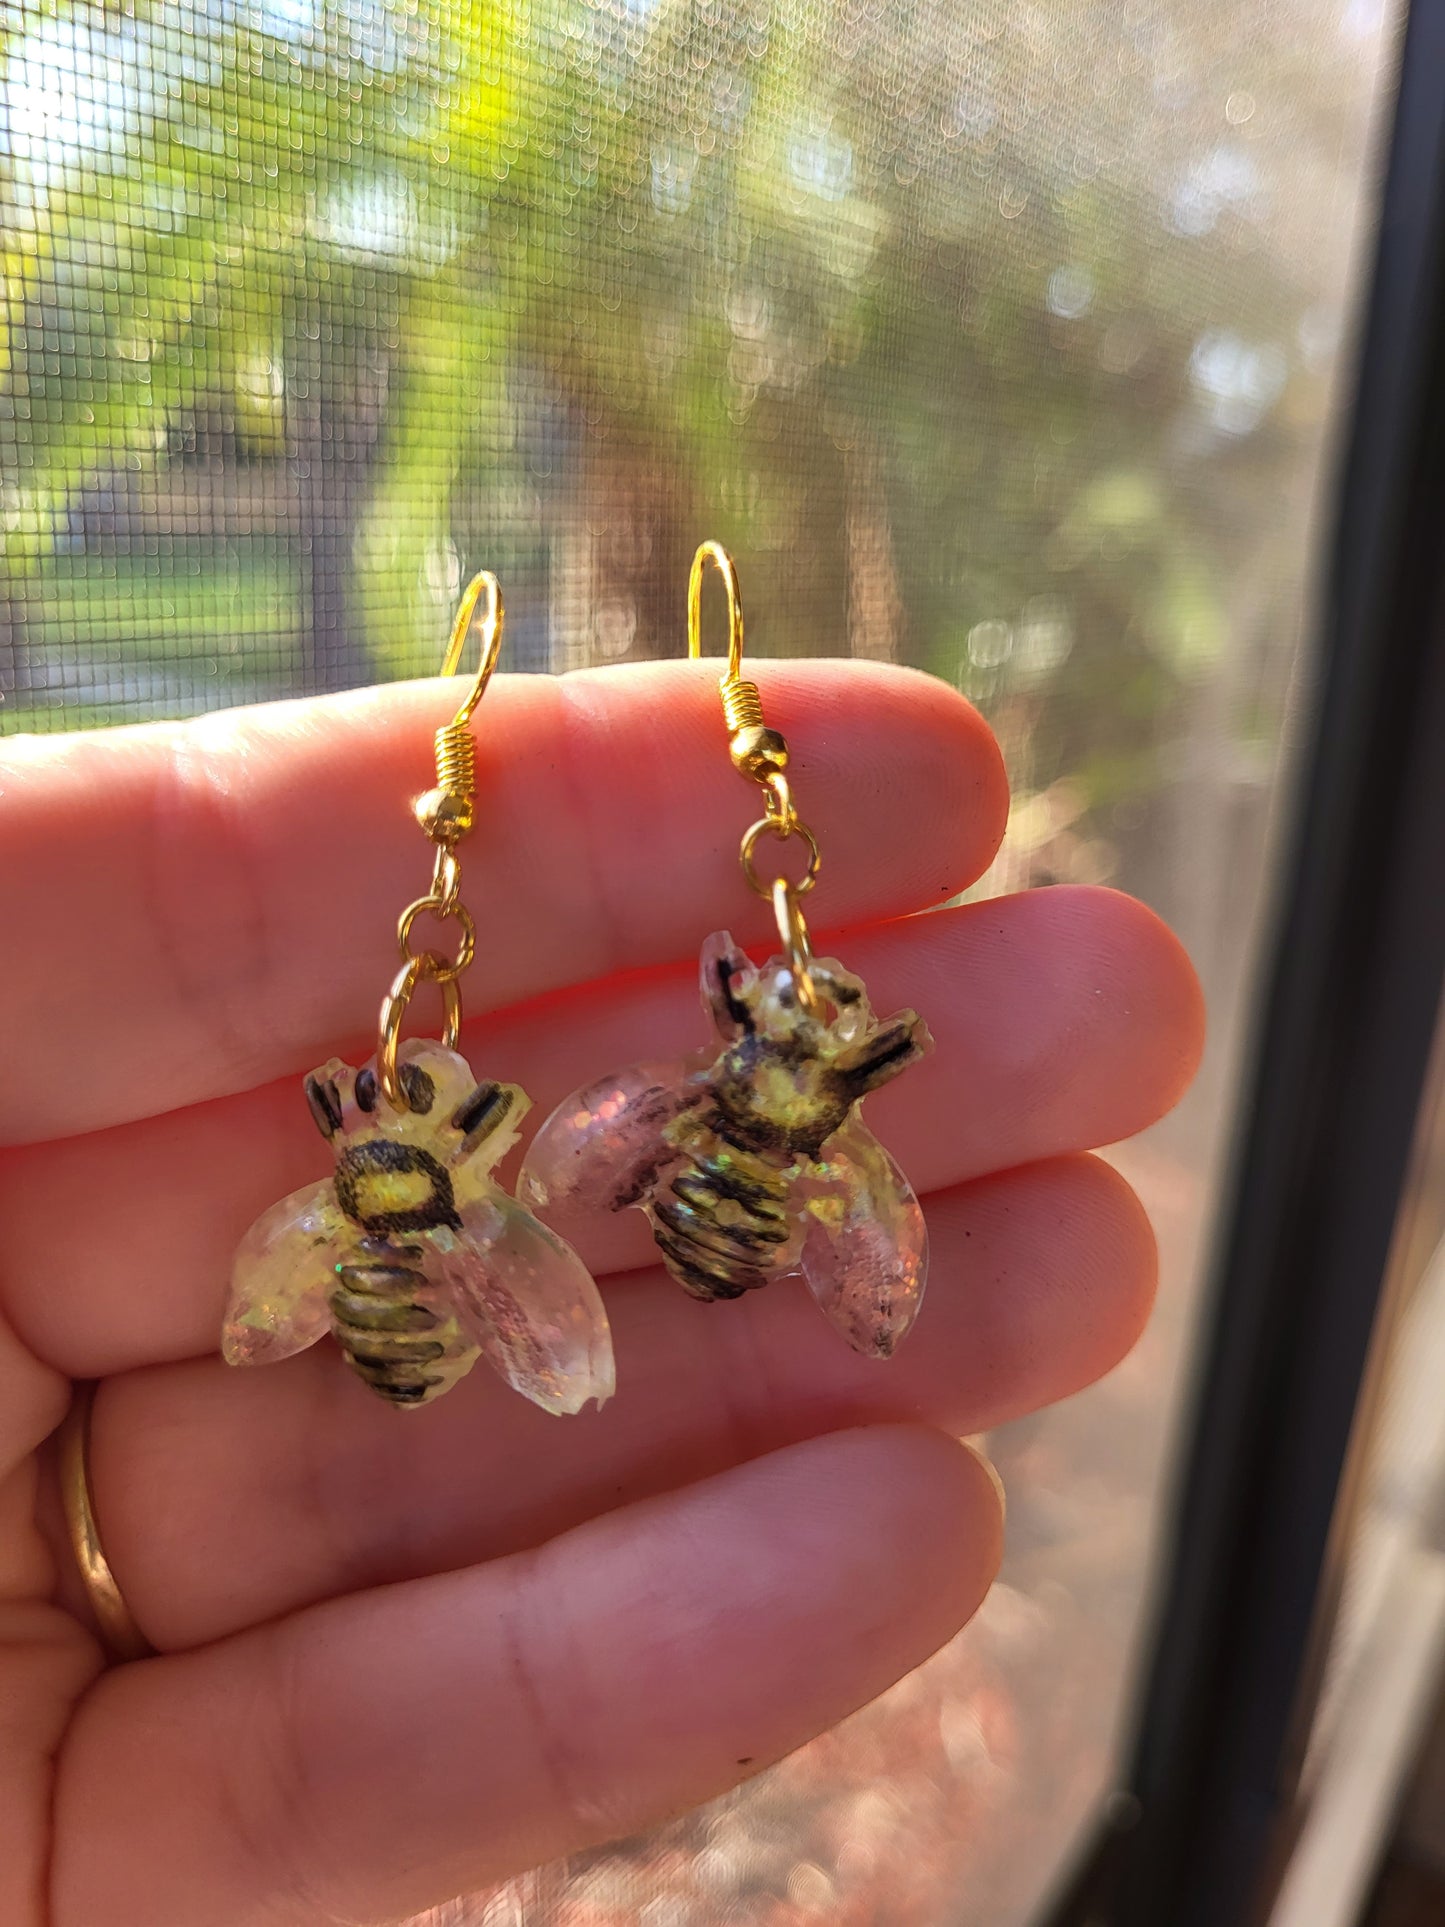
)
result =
(370, 1757)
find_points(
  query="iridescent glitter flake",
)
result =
(412, 1257)
(755, 1163)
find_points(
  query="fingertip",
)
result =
(1053, 1279)
(1095, 1017)
(921, 731)
(1128, 1239)
(979, 1509)
(1168, 997)
(909, 1539)
(1115, 1289)
(968, 741)
(926, 1502)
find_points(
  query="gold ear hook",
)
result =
(756, 750)
(715, 553)
(761, 754)
(483, 583)
(446, 813)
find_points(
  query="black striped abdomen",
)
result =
(722, 1225)
(390, 1338)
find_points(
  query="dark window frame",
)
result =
(1195, 1832)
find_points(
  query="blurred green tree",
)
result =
(999, 342)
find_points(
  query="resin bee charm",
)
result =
(754, 1163)
(412, 1257)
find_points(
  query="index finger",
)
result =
(192, 909)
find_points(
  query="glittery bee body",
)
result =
(754, 1163)
(723, 1222)
(388, 1333)
(412, 1257)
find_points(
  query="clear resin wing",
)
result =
(608, 1145)
(866, 1253)
(604, 1147)
(525, 1298)
(284, 1269)
(727, 982)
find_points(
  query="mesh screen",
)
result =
(1003, 339)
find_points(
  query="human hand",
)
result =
(403, 1655)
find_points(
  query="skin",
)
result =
(402, 1655)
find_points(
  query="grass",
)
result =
(114, 639)
(230, 606)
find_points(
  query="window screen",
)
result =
(1004, 339)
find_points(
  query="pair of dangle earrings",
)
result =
(750, 1159)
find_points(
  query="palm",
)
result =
(404, 1655)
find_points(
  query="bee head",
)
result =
(446, 1111)
(745, 1001)
(343, 1101)
(842, 1012)
(789, 1081)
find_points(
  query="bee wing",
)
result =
(865, 1256)
(281, 1281)
(526, 1298)
(725, 976)
(601, 1149)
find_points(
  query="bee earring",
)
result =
(409, 1254)
(752, 1160)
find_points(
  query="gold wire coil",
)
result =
(427, 968)
(122, 1638)
(742, 706)
(797, 945)
(456, 759)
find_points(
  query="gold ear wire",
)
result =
(483, 583)
(446, 813)
(760, 754)
(715, 553)
(756, 750)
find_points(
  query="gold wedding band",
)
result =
(122, 1638)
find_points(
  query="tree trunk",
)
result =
(875, 601)
(335, 417)
(622, 556)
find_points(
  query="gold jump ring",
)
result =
(428, 967)
(458, 913)
(797, 945)
(769, 826)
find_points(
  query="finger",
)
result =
(46, 1659)
(388, 1751)
(195, 908)
(231, 1497)
(1063, 1019)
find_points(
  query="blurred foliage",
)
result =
(998, 341)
